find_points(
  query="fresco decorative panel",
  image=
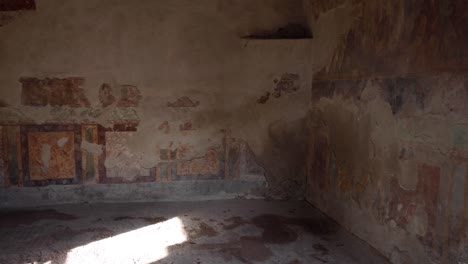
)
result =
(130, 96)
(164, 171)
(2, 158)
(206, 165)
(219, 162)
(120, 161)
(13, 155)
(106, 98)
(90, 161)
(53, 91)
(51, 155)
(231, 160)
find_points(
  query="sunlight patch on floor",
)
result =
(143, 245)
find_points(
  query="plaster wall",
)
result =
(112, 92)
(387, 127)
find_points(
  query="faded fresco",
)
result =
(178, 91)
(12, 155)
(388, 125)
(53, 91)
(51, 155)
(120, 161)
(206, 165)
(394, 150)
(419, 36)
(91, 150)
(3, 160)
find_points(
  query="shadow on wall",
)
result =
(283, 158)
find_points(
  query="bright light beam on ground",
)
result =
(144, 245)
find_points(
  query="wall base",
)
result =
(136, 192)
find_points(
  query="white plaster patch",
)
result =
(408, 178)
(61, 142)
(418, 224)
(399, 207)
(45, 155)
(92, 148)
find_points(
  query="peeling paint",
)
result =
(53, 91)
(391, 160)
(130, 96)
(62, 141)
(95, 149)
(179, 92)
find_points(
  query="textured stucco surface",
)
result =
(387, 143)
(368, 118)
(395, 176)
(179, 70)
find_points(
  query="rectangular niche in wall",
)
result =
(51, 155)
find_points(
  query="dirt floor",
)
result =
(229, 231)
